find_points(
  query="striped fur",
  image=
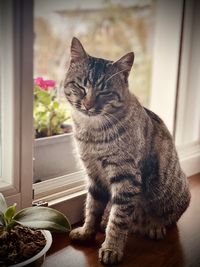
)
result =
(135, 182)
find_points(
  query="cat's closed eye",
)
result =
(76, 88)
(106, 94)
(109, 95)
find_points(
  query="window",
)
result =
(166, 60)
(104, 29)
(16, 101)
(161, 67)
(8, 111)
(188, 109)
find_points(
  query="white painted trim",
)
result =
(188, 112)
(184, 70)
(59, 186)
(190, 158)
(10, 97)
(18, 188)
(70, 200)
(191, 164)
(165, 59)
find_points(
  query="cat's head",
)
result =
(96, 86)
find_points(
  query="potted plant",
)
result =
(22, 241)
(54, 148)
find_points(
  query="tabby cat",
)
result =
(135, 182)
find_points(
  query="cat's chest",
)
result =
(93, 151)
(95, 140)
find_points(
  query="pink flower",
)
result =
(44, 84)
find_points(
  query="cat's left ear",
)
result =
(77, 50)
(125, 63)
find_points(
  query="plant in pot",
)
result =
(54, 144)
(25, 236)
(50, 112)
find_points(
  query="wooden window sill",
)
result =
(179, 248)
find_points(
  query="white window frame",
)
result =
(175, 49)
(188, 108)
(9, 113)
(17, 101)
(166, 52)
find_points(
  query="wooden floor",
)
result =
(180, 248)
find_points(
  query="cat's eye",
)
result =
(108, 93)
(68, 93)
(78, 86)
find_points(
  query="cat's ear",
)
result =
(77, 50)
(125, 63)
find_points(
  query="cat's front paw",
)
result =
(81, 234)
(110, 255)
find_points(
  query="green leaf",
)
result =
(55, 104)
(9, 213)
(43, 218)
(3, 205)
(55, 122)
(44, 97)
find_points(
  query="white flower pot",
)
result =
(39, 258)
(55, 156)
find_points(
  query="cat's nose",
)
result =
(88, 104)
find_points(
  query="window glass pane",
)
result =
(107, 29)
(7, 145)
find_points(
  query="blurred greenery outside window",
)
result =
(107, 29)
